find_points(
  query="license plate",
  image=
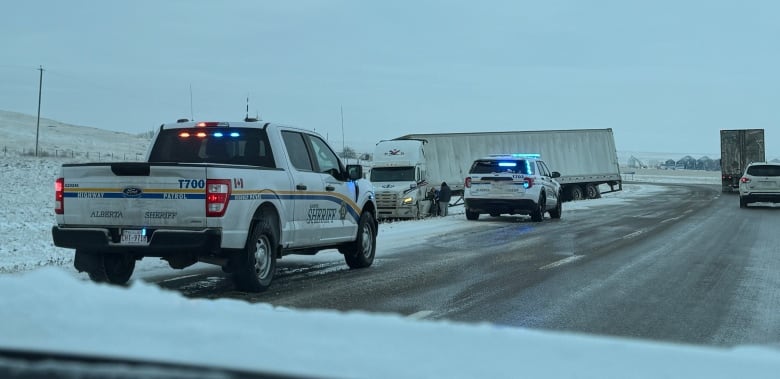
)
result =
(133, 237)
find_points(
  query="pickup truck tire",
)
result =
(105, 268)
(471, 215)
(255, 265)
(537, 215)
(360, 254)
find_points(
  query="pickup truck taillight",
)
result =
(217, 197)
(59, 190)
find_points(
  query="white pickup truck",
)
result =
(240, 195)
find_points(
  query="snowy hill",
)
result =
(60, 139)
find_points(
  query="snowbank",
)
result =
(50, 310)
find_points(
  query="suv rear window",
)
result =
(512, 166)
(244, 146)
(764, 170)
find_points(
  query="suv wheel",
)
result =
(742, 202)
(471, 215)
(556, 212)
(538, 214)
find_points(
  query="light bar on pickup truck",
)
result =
(211, 124)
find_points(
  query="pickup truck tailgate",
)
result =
(134, 194)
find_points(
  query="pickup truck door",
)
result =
(339, 213)
(307, 184)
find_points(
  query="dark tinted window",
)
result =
(392, 174)
(296, 149)
(764, 170)
(247, 146)
(491, 166)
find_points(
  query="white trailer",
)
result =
(406, 168)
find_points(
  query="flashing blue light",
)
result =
(526, 184)
(527, 155)
(234, 134)
(218, 134)
(507, 164)
(143, 232)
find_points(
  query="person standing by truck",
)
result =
(444, 198)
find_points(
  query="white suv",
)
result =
(760, 183)
(513, 184)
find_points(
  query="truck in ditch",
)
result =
(405, 169)
(738, 148)
(239, 195)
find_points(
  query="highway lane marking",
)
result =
(678, 217)
(562, 262)
(179, 278)
(632, 235)
(671, 219)
(420, 315)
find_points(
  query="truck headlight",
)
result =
(407, 200)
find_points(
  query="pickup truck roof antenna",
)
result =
(192, 114)
(247, 118)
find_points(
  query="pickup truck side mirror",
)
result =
(555, 174)
(354, 171)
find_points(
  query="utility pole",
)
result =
(38, 123)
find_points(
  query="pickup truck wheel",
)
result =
(471, 215)
(105, 268)
(255, 265)
(360, 254)
(537, 214)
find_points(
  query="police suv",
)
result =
(240, 195)
(512, 184)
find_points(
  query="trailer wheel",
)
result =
(576, 193)
(254, 265)
(592, 191)
(471, 215)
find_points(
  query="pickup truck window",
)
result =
(246, 146)
(326, 160)
(296, 149)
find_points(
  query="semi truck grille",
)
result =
(386, 200)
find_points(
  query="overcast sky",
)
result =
(666, 76)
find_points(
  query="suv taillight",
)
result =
(59, 192)
(467, 184)
(744, 179)
(528, 183)
(217, 197)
